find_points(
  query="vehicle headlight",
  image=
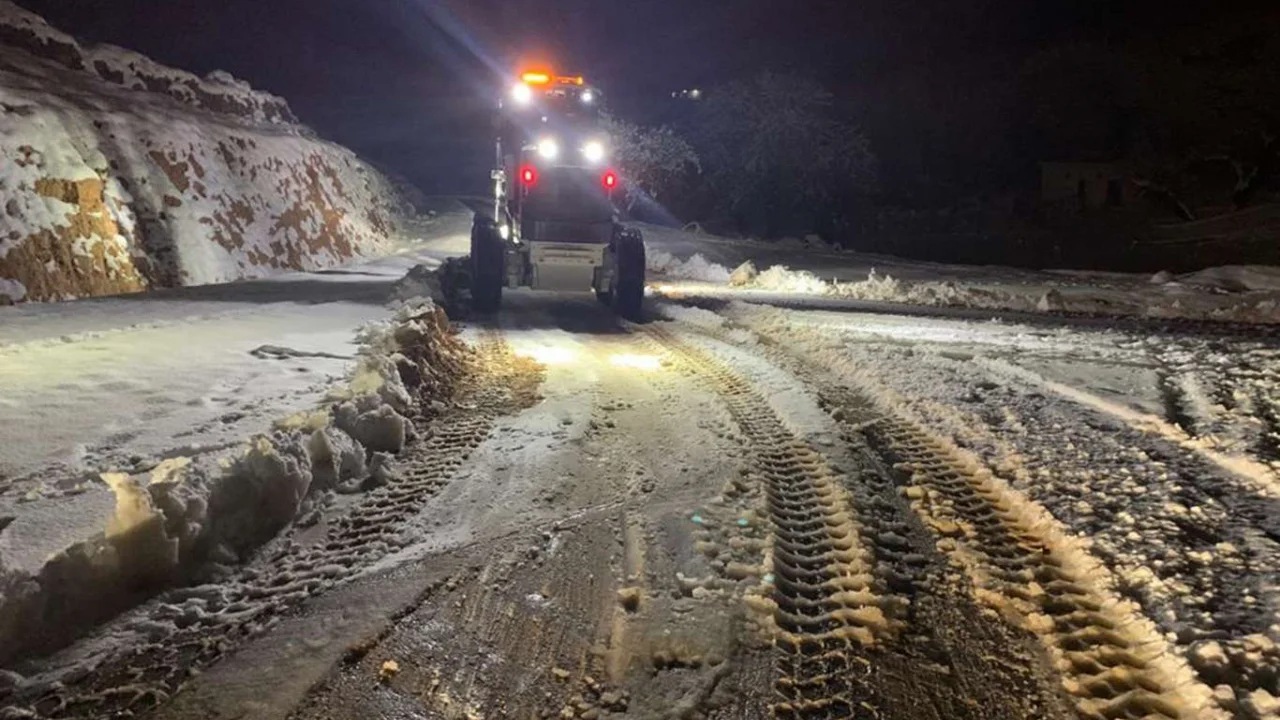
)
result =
(593, 151)
(588, 97)
(548, 148)
(522, 94)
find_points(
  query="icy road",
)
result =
(738, 511)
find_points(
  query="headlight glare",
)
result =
(548, 148)
(593, 151)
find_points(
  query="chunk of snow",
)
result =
(421, 281)
(696, 268)
(1051, 301)
(133, 504)
(780, 278)
(11, 290)
(1208, 656)
(1236, 278)
(335, 458)
(1264, 704)
(261, 490)
(382, 429)
(744, 274)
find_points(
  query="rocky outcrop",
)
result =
(219, 92)
(118, 174)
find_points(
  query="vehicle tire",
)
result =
(628, 281)
(488, 266)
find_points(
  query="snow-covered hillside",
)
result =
(118, 174)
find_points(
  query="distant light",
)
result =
(695, 94)
(528, 175)
(610, 180)
(593, 151)
(548, 148)
(522, 94)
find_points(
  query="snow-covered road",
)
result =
(735, 510)
(120, 382)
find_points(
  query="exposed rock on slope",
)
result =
(118, 174)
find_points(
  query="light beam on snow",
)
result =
(548, 354)
(636, 361)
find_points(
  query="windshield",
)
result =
(572, 103)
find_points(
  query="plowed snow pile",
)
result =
(1239, 294)
(118, 174)
(188, 517)
(695, 268)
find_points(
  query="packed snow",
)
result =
(1158, 452)
(127, 418)
(125, 380)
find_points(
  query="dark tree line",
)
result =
(1191, 110)
(768, 156)
(1194, 110)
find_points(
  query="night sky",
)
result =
(405, 82)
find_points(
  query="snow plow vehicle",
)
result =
(554, 226)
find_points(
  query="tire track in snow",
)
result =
(140, 661)
(1113, 661)
(826, 604)
(1265, 478)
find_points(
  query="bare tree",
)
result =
(776, 154)
(654, 161)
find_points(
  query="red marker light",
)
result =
(610, 180)
(528, 175)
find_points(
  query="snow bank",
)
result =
(1226, 294)
(877, 287)
(1235, 278)
(780, 278)
(1249, 294)
(695, 268)
(118, 174)
(187, 516)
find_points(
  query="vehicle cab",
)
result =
(554, 226)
